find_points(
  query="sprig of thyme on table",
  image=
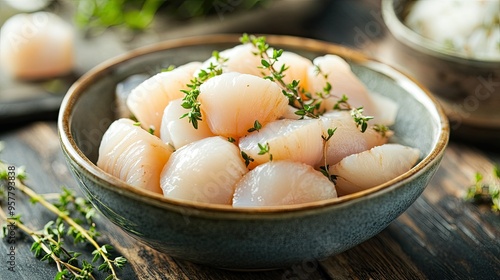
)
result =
(74, 218)
(487, 193)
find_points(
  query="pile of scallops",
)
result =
(250, 148)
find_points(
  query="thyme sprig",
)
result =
(190, 99)
(66, 261)
(49, 242)
(487, 193)
(248, 159)
(325, 168)
(265, 149)
(307, 104)
(306, 108)
(256, 126)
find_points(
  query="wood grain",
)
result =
(441, 236)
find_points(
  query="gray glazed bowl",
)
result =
(246, 239)
(467, 88)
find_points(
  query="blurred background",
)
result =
(45, 45)
(91, 31)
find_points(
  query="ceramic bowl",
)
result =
(467, 88)
(224, 237)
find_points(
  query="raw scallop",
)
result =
(278, 183)
(134, 155)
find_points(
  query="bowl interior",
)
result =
(90, 105)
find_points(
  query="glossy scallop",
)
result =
(290, 113)
(348, 138)
(133, 155)
(294, 140)
(203, 171)
(373, 167)
(278, 183)
(232, 102)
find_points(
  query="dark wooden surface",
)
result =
(440, 236)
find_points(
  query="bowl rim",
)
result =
(73, 153)
(414, 40)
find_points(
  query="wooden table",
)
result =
(441, 236)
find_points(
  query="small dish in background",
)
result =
(468, 87)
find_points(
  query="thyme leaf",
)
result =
(307, 103)
(360, 120)
(265, 149)
(381, 129)
(248, 159)
(256, 126)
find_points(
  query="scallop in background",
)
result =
(36, 46)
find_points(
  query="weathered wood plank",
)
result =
(439, 236)
(448, 237)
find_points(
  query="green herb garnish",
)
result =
(360, 120)
(151, 130)
(325, 168)
(190, 100)
(486, 193)
(381, 129)
(248, 159)
(256, 126)
(265, 149)
(74, 218)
